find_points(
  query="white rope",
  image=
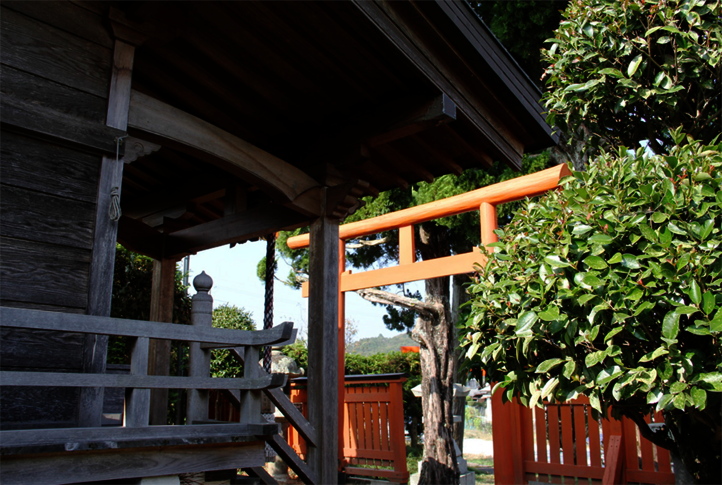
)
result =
(114, 210)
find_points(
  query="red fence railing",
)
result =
(373, 426)
(563, 443)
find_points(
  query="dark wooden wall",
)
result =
(55, 70)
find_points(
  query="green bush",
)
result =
(234, 318)
(610, 289)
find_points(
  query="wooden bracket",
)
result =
(136, 148)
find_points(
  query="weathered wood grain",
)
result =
(44, 92)
(48, 350)
(93, 466)
(293, 415)
(32, 272)
(15, 317)
(137, 401)
(59, 126)
(46, 51)
(29, 407)
(80, 439)
(40, 217)
(36, 164)
(323, 347)
(67, 379)
(65, 16)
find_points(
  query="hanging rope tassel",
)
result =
(270, 273)
(114, 210)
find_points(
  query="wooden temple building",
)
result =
(175, 127)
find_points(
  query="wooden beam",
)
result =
(430, 114)
(139, 237)
(59, 439)
(261, 168)
(479, 155)
(67, 322)
(421, 270)
(161, 310)
(407, 246)
(91, 466)
(305, 472)
(59, 127)
(55, 379)
(323, 349)
(233, 228)
(102, 265)
(508, 191)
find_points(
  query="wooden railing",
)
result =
(373, 426)
(92, 454)
(563, 442)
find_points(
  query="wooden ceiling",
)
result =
(366, 95)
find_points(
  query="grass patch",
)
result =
(413, 455)
(482, 466)
(482, 433)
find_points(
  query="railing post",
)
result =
(200, 359)
(251, 400)
(137, 401)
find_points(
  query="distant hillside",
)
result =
(380, 344)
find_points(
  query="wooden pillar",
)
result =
(200, 359)
(161, 310)
(487, 218)
(341, 349)
(90, 409)
(323, 314)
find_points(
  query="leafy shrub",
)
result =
(610, 289)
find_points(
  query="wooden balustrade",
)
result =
(31, 455)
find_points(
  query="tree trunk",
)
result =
(459, 296)
(436, 335)
(698, 439)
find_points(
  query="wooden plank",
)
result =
(161, 310)
(663, 458)
(67, 17)
(35, 164)
(631, 445)
(60, 350)
(565, 470)
(567, 437)
(29, 407)
(540, 423)
(508, 191)
(650, 477)
(360, 396)
(304, 472)
(554, 439)
(40, 217)
(421, 270)
(293, 415)
(32, 46)
(250, 399)
(407, 248)
(17, 378)
(527, 432)
(89, 466)
(368, 423)
(647, 451)
(152, 116)
(613, 460)
(595, 454)
(580, 435)
(267, 219)
(44, 92)
(59, 126)
(137, 401)
(22, 318)
(323, 348)
(30, 272)
(260, 472)
(79, 439)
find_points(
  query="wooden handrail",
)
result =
(503, 192)
(71, 322)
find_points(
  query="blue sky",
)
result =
(235, 282)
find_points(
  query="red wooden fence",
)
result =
(563, 443)
(373, 426)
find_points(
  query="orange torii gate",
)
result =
(484, 200)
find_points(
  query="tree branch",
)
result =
(659, 438)
(373, 295)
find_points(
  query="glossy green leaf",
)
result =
(634, 65)
(595, 262)
(547, 365)
(670, 325)
(695, 292)
(600, 239)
